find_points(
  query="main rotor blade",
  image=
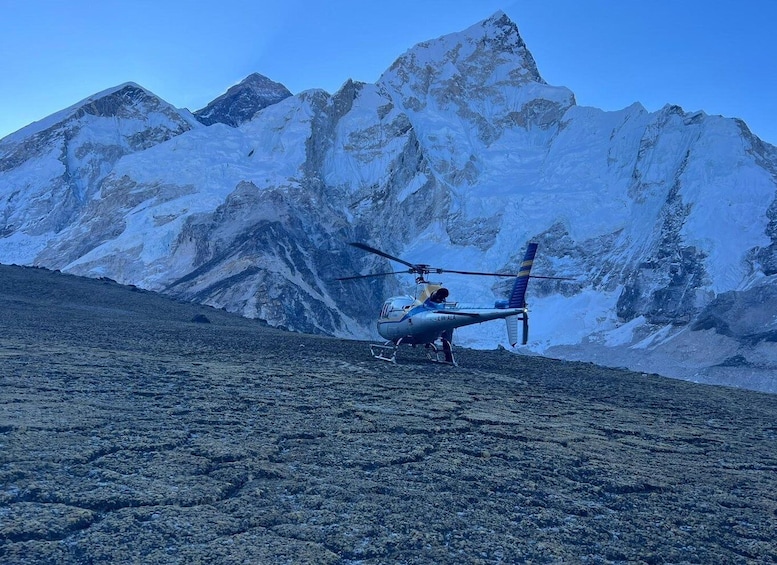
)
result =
(371, 276)
(552, 278)
(473, 273)
(365, 247)
(417, 268)
(500, 274)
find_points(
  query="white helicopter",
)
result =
(429, 319)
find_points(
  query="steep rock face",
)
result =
(711, 224)
(765, 156)
(241, 102)
(279, 265)
(457, 156)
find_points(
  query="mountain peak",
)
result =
(118, 101)
(122, 100)
(490, 54)
(259, 80)
(242, 101)
(483, 75)
(501, 34)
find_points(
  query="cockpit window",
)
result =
(398, 304)
(401, 303)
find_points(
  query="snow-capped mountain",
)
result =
(458, 156)
(241, 102)
(53, 168)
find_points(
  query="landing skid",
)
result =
(437, 352)
(385, 352)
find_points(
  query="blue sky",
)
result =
(719, 56)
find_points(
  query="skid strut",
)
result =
(441, 352)
(385, 352)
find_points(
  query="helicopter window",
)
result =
(401, 304)
(439, 295)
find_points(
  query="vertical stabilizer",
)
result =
(512, 329)
(518, 296)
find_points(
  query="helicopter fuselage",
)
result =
(409, 321)
(430, 319)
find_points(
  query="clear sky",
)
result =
(719, 56)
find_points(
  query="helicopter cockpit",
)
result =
(396, 307)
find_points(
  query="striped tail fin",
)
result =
(518, 296)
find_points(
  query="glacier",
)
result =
(457, 156)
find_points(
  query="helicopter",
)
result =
(430, 319)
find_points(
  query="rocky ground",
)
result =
(132, 433)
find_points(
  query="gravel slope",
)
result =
(130, 433)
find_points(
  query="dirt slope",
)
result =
(130, 433)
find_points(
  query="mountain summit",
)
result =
(457, 156)
(241, 102)
(52, 168)
(486, 54)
